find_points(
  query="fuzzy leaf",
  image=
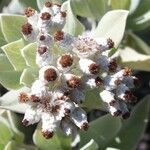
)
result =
(112, 25)
(59, 141)
(2, 39)
(129, 57)
(5, 132)
(89, 8)
(72, 26)
(12, 51)
(28, 77)
(134, 127)
(115, 4)
(5, 65)
(11, 26)
(92, 100)
(92, 145)
(101, 130)
(10, 79)
(10, 100)
(29, 54)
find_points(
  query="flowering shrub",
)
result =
(62, 72)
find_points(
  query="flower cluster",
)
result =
(69, 67)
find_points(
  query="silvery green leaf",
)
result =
(11, 26)
(101, 130)
(29, 54)
(115, 4)
(10, 79)
(10, 100)
(134, 127)
(2, 39)
(89, 8)
(5, 132)
(12, 51)
(129, 57)
(28, 76)
(91, 145)
(72, 26)
(112, 25)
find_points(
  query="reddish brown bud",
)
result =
(112, 65)
(66, 61)
(45, 16)
(50, 74)
(35, 98)
(85, 126)
(74, 82)
(23, 97)
(117, 113)
(25, 122)
(29, 11)
(27, 29)
(59, 35)
(42, 38)
(42, 50)
(94, 68)
(63, 14)
(48, 4)
(127, 71)
(98, 81)
(110, 43)
(130, 97)
(47, 134)
(126, 115)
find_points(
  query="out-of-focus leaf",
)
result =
(5, 65)
(2, 39)
(10, 101)
(5, 132)
(54, 143)
(72, 26)
(101, 130)
(140, 18)
(123, 4)
(12, 51)
(112, 25)
(28, 77)
(89, 8)
(92, 100)
(92, 145)
(29, 54)
(10, 79)
(137, 43)
(29, 3)
(134, 127)
(129, 57)
(11, 26)
(19, 136)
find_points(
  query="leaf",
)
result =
(12, 50)
(19, 136)
(28, 77)
(10, 101)
(59, 140)
(10, 79)
(29, 54)
(112, 25)
(134, 127)
(92, 100)
(27, 3)
(92, 145)
(140, 18)
(11, 26)
(72, 26)
(5, 65)
(129, 57)
(101, 130)
(124, 4)
(137, 43)
(2, 39)
(89, 8)
(5, 132)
